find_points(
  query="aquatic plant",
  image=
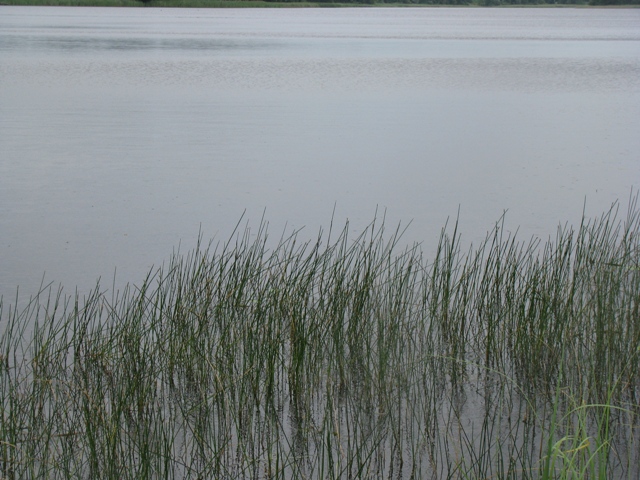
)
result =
(337, 357)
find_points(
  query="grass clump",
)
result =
(338, 357)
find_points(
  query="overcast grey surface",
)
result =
(125, 132)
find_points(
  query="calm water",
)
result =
(124, 132)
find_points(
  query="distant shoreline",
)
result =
(269, 4)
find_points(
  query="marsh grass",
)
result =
(338, 357)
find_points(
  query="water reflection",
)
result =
(124, 131)
(62, 44)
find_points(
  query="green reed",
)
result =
(338, 357)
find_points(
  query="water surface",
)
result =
(125, 132)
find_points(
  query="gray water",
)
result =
(126, 132)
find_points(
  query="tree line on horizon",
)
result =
(484, 3)
(481, 2)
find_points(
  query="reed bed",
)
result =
(338, 357)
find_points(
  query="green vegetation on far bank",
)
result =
(320, 3)
(162, 3)
(338, 357)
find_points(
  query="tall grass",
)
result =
(338, 357)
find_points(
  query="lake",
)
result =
(124, 133)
